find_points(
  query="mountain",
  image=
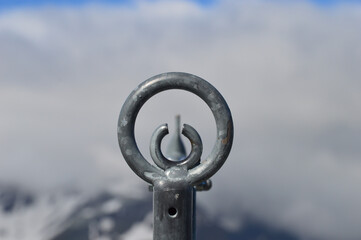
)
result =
(109, 215)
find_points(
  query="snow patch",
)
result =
(140, 231)
(111, 206)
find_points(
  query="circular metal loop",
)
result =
(164, 163)
(188, 82)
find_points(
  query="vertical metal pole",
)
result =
(173, 202)
(173, 211)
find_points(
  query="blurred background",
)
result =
(289, 70)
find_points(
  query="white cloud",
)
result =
(289, 72)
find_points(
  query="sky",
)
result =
(289, 71)
(11, 4)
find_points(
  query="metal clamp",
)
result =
(173, 181)
(164, 163)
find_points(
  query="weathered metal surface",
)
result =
(189, 161)
(173, 181)
(173, 211)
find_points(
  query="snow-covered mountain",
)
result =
(31, 215)
(108, 215)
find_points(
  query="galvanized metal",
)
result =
(189, 161)
(174, 181)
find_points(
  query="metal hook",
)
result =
(191, 83)
(163, 162)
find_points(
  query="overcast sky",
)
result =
(289, 70)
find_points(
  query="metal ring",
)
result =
(190, 83)
(162, 162)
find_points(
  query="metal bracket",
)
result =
(174, 182)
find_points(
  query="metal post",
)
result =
(173, 211)
(174, 182)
